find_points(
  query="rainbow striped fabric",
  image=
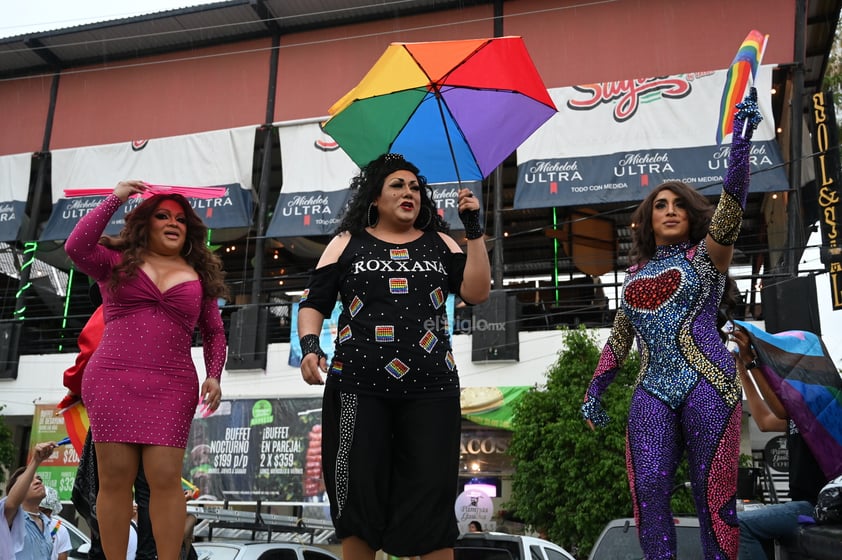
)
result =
(736, 81)
(77, 423)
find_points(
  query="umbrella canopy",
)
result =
(456, 109)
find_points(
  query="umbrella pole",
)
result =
(449, 141)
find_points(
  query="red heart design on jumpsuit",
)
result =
(650, 293)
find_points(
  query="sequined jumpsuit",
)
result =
(687, 393)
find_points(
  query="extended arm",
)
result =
(82, 246)
(728, 217)
(476, 280)
(18, 491)
(746, 355)
(765, 419)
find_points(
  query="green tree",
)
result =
(570, 481)
(7, 446)
(833, 73)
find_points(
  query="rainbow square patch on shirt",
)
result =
(397, 368)
(437, 297)
(345, 334)
(384, 333)
(356, 305)
(305, 294)
(428, 341)
(336, 367)
(399, 254)
(448, 359)
(398, 286)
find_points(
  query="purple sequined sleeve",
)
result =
(214, 345)
(613, 354)
(728, 217)
(82, 246)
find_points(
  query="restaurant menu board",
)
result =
(258, 449)
(59, 469)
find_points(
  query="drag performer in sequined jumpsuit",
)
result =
(687, 394)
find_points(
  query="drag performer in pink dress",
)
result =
(158, 282)
(687, 396)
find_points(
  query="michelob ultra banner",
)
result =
(614, 141)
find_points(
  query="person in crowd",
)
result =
(760, 526)
(158, 281)
(475, 527)
(391, 429)
(131, 551)
(51, 507)
(687, 395)
(25, 531)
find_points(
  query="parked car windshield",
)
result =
(474, 546)
(470, 553)
(620, 544)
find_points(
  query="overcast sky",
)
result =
(25, 16)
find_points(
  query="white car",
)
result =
(503, 546)
(79, 541)
(232, 550)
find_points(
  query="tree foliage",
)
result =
(570, 481)
(7, 444)
(833, 73)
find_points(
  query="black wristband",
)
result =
(751, 365)
(310, 345)
(473, 228)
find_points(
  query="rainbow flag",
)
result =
(736, 82)
(77, 423)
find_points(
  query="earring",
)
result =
(372, 223)
(190, 250)
(429, 218)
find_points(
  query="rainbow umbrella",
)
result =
(456, 109)
(743, 66)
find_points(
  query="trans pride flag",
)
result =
(800, 372)
(736, 82)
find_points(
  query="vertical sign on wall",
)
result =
(826, 146)
(59, 469)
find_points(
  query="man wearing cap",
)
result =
(51, 506)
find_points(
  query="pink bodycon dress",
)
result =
(141, 385)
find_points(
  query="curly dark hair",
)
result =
(134, 239)
(368, 185)
(699, 212)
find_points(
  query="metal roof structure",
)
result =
(193, 27)
(238, 20)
